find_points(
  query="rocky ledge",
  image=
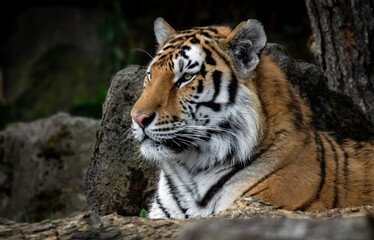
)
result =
(246, 220)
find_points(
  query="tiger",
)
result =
(222, 121)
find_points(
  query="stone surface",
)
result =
(118, 179)
(280, 228)
(42, 167)
(332, 111)
(262, 222)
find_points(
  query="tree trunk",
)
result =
(344, 47)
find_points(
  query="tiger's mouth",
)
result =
(176, 144)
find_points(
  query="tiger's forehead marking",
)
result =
(192, 37)
(185, 52)
(184, 57)
(188, 60)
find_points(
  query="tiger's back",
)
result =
(319, 172)
(223, 122)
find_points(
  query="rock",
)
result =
(118, 179)
(80, 227)
(280, 228)
(332, 111)
(42, 167)
(270, 224)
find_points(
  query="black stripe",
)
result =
(167, 47)
(192, 65)
(320, 158)
(294, 106)
(212, 30)
(233, 88)
(202, 70)
(177, 39)
(307, 139)
(367, 173)
(345, 170)
(171, 65)
(163, 209)
(225, 125)
(187, 31)
(200, 86)
(206, 34)
(217, 83)
(258, 192)
(191, 186)
(183, 54)
(336, 194)
(358, 146)
(227, 62)
(212, 105)
(208, 57)
(219, 184)
(186, 47)
(194, 40)
(260, 181)
(175, 193)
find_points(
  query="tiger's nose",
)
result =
(143, 119)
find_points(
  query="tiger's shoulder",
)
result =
(318, 170)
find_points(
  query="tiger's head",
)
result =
(198, 106)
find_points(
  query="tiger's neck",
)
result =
(283, 113)
(232, 140)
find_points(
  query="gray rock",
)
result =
(332, 111)
(42, 167)
(118, 179)
(280, 228)
(113, 226)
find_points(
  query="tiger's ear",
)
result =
(163, 30)
(245, 44)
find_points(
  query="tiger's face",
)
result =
(195, 107)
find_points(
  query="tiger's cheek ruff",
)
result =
(231, 133)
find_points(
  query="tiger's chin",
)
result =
(167, 150)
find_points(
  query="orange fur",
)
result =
(299, 183)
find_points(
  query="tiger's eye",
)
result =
(187, 76)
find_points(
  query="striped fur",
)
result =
(222, 122)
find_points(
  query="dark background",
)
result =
(60, 55)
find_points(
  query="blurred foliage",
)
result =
(89, 107)
(143, 213)
(125, 36)
(4, 111)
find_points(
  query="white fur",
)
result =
(194, 55)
